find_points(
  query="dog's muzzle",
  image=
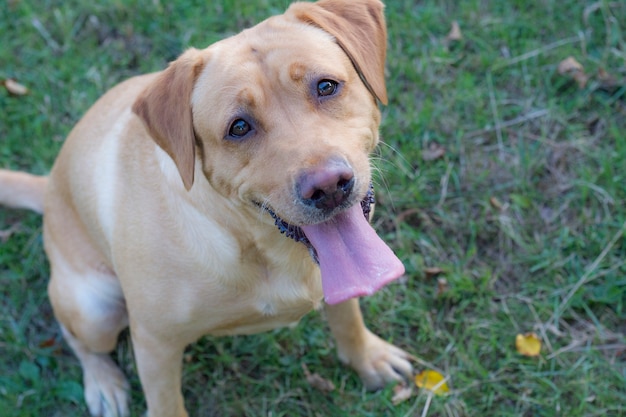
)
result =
(296, 233)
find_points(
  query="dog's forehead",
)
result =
(274, 44)
(279, 55)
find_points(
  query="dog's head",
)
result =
(283, 115)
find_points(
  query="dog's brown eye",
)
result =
(326, 88)
(239, 128)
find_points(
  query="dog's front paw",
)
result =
(106, 388)
(378, 362)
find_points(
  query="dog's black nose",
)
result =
(326, 186)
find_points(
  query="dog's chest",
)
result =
(275, 300)
(232, 275)
(251, 290)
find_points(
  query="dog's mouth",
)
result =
(296, 233)
(353, 260)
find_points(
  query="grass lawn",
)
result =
(501, 186)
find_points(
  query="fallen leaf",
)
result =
(433, 152)
(528, 344)
(569, 65)
(455, 32)
(432, 381)
(496, 203)
(316, 380)
(15, 88)
(433, 270)
(401, 393)
(407, 213)
(572, 68)
(48, 343)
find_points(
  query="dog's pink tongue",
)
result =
(354, 261)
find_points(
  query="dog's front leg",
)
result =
(159, 362)
(376, 361)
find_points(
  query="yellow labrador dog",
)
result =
(227, 194)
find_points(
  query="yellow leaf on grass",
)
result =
(528, 344)
(432, 381)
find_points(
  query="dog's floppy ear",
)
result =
(359, 28)
(165, 109)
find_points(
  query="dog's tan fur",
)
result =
(25, 190)
(150, 215)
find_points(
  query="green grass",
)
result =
(524, 214)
